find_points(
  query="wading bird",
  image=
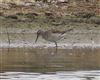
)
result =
(51, 35)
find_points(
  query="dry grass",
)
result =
(15, 1)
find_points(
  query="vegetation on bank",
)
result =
(60, 13)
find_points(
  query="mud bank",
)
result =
(72, 39)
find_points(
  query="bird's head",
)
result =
(39, 32)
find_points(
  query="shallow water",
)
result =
(40, 59)
(60, 75)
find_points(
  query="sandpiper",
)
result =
(51, 35)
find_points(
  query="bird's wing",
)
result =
(55, 35)
(60, 32)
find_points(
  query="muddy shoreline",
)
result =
(70, 39)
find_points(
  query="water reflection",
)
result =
(36, 59)
(61, 75)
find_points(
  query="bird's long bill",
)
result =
(37, 38)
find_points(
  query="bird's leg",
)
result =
(56, 46)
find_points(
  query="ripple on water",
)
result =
(60, 75)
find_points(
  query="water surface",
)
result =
(60, 75)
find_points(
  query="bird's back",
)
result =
(51, 36)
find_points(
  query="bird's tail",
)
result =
(63, 33)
